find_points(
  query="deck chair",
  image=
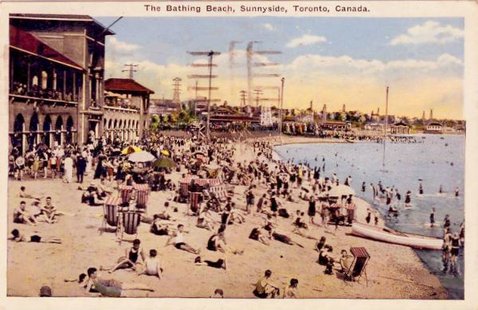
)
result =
(359, 264)
(130, 221)
(194, 199)
(110, 214)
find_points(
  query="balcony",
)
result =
(42, 96)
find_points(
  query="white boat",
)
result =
(391, 236)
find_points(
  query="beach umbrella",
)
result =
(165, 152)
(141, 157)
(341, 190)
(164, 162)
(130, 149)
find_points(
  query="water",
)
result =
(438, 160)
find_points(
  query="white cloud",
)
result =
(269, 27)
(306, 39)
(117, 46)
(430, 32)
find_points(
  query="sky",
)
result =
(332, 61)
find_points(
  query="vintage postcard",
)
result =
(211, 154)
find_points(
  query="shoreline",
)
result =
(362, 206)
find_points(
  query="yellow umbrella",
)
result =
(165, 152)
(130, 149)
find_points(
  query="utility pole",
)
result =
(282, 80)
(258, 93)
(131, 69)
(176, 89)
(243, 98)
(209, 76)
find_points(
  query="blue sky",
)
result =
(333, 52)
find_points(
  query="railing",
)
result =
(29, 98)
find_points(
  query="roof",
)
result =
(28, 43)
(64, 17)
(126, 86)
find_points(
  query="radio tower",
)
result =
(131, 69)
(177, 91)
(243, 98)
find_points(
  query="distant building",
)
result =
(400, 128)
(126, 108)
(434, 127)
(56, 71)
(164, 108)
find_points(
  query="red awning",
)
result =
(359, 252)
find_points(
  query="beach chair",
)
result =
(110, 214)
(359, 264)
(219, 192)
(194, 199)
(129, 222)
(126, 192)
(142, 195)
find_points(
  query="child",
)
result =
(152, 265)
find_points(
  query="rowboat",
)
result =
(392, 236)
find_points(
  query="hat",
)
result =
(45, 291)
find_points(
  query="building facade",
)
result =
(56, 68)
(126, 109)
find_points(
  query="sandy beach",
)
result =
(392, 272)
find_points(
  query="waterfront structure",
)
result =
(126, 109)
(400, 128)
(434, 127)
(56, 69)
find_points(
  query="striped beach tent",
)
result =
(126, 192)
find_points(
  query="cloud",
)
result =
(118, 46)
(430, 32)
(269, 27)
(306, 39)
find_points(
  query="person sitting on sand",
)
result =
(217, 242)
(152, 265)
(290, 291)
(92, 196)
(325, 259)
(24, 194)
(18, 237)
(21, 216)
(178, 240)
(130, 260)
(110, 287)
(50, 210)
(220, 263)
(205, 219)
(235, 215)
(321, 243)
(299, 223)
(257, 235)
(264, 288)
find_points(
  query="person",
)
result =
(457, 192)
(257, 235)
(68, 169)
(80, 168)
(18, 237)
(220, 263)
(326, 260)
(205, 219)
(311, 210)
(446, 222)
(260, 203)
(408, 199)
(264, 288)
(218, 293)
(432, 218)
(130, 260)
(50, 210)
(24, 194)
(290, 291)
(446, 249)
(159, 226)
(344, 261)
(286, 239)
(110, 287)
(152, 265)
(369, 216)
(321, 243)
(454, 251)
(217, 242)
(178, 240)
(420, 188)
(250, 200)
(19, 167)
(21, 216)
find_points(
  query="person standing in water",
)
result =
(457, 192)
(408, 199)
(432, 218)
(420, 188)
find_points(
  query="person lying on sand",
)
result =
(110, 287)
(26, 195)
(205, 219)
(160, 226)
(178, 240)
(284, 238)
(17, 237)
(256, 234)
(130, 259)
(220, 263)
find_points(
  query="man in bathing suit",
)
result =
(178, 241)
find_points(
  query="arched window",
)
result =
(44, 80)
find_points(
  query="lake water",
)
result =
(436, 161)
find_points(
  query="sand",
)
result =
(393, 271)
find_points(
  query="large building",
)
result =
(55, 79)
(126, 109)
